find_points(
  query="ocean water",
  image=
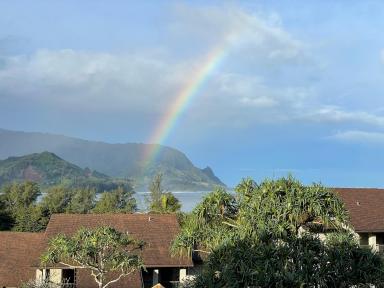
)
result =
(188, 200)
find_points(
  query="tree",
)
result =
(82, 201)
(21, 195)
(30, 219)
(6, 220)
(267, 237)
(56, 200)
(169, 203)
(119, 200)
(161, 201)
(109, 254)
(206, 227)
(297, 262)
(20, 210)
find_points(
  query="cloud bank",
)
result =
(245, 89)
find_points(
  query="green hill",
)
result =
(115, 160)
(47, 169)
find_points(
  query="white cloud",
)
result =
(338, 115)
(262, 101)
(148, 82)
(359, 136)
(91, 80)
(238, 93)
(248, 36)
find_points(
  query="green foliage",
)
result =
(208, 224)
(266, 237)
(288, 205)
(82, 201)
(296, 262)
(119, 200)
(161, 201)
(30, 219)
(20, 211)
(169, 203)
(56, 199)
(21, 195)
(104, 250)
(6, 220)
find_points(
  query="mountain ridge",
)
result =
(48, 169)
(124, 160)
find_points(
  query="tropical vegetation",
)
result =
(160, 200)
(279, 233)
(47, 169)
(108, 254)
(21, 210)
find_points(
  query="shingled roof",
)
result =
(156, 230)
(19, 251)
(365, 207)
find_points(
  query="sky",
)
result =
(292, 87)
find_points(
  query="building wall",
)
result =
(84, 279)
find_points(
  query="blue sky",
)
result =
(300, 89)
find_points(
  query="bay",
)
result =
(187, 199)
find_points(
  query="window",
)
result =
(68, 278)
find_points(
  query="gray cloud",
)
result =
(148, 82)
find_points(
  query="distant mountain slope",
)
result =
(48, 169)
(115, 160)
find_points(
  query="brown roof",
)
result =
(157, 231)
(19, 251)
(365, 207)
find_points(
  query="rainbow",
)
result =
(181, 102)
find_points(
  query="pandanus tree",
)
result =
(108, 254)
(208, 224)
(267, 235)
(160, 200)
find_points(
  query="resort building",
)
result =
(20, 252)
(366, 211)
